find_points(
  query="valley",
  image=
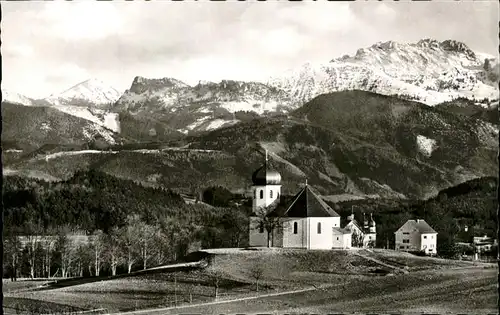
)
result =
(107, 192)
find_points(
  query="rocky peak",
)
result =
(428, 43)
(141, 84)
(459, 47)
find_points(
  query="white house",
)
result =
(342, 238)
(307, 222)
(365, 235)
(484, 243)
(416, 235)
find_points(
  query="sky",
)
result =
(47, 47)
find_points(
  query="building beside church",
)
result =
(306, 222)
(416, 235)
(362, 235)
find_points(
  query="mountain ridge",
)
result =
(428, 71)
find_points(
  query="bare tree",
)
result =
(267, 221)
(48, 243)
(33, 235)
(257, 271)
(12, 250)
(97, 244)
(129, 239)
(161, 242)
(146, 234)
(215, 275)
(65, 249)
(82, 259)
(113, 249)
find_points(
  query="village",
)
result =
(307, 222)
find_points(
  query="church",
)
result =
(306, 222)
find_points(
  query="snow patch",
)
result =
(101, 117)
(16, 98)
(426, 145)
(218, 123)
(45, 127)
(71, 153)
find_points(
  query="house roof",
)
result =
(355, 223)
(341, 231)
(418, 225)
(305, 204)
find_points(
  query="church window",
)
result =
(255, 194)
(261, 228)
(295, 228)
(425, 236)
(270, 194)
(278, 195)
(319, 227)
(337, 238)
(261, 194)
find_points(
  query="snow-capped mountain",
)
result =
(16, 98)
(92, 92)
(205, 106)
(428, 71)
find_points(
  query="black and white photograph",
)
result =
(250, 157)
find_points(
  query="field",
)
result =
(289, 280)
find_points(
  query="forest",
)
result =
(96, 224)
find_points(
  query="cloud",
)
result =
(81, 20)
(67, 72)
(49, 46)
(385, 12)
(17, 50)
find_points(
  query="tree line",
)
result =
(95, 224)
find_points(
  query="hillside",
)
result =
(354, 143)
(29, 127)
(469, 108)
(428, 71)
(473, 203)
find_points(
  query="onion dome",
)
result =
(265, 175)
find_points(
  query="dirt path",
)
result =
(381, 262)
(160, 310)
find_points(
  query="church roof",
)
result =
(266, 175)
(305, 204)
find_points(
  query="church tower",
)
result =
(266, 186)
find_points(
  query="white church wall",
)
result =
(324, 239)
(291, 239)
